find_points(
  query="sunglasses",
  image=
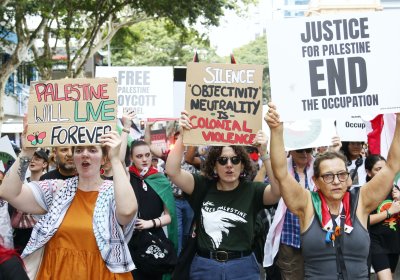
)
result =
(300, 151)
(224, 160)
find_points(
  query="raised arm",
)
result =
(13, 189)
(295, 196)
(126, 126)
(183, 179)
(125, 199)
(155, 150)
(271, 192)
(381, 216)
(336, 144)
(191, 158)
(376, 190)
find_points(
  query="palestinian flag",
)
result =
(324, 217)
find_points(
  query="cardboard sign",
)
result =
(71, 112)
(335, 66)
(146, 90)
(224, 102)
(353, 129)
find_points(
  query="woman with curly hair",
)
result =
(229, 206)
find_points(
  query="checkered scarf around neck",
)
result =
(144, 173)
(324, 216)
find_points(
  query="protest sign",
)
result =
(353, 129)
(7, 154)
(335, 66)
(146, 90)
(71, 111)
(303, 134)
(224, 102)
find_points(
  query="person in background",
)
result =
(355, 161)
(333, 220)
(229, 209)
(102, 211)
(286, 228)
(38, 165)
(154, 162)
(21, 222)
(155, 200)
(189, 162)
(384, 229)
(106, 171)
(153, 192)
(65, 166)
(11, 265)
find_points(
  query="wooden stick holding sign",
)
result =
(71, 112)
(224, 102)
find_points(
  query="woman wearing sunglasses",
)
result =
(333, 221)
(226, 226)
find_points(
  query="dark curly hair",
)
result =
(215, 152)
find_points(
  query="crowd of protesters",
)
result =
(314, 213)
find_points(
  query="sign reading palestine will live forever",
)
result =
(71, 112)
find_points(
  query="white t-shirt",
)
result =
(360, 177)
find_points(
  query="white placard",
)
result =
(7, 154)
(353, 129)
(146, 90)
(335, 66)
(305, 133)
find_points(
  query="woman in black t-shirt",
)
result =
(229, 204)
(384, 230)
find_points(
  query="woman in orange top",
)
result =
(88, 219)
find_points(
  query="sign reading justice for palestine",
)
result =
(224, 103)
(335, 66)
(71, 112)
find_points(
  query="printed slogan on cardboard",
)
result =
(224, 102)
(335, 66)
(71, 112)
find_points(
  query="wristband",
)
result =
(265, 157)
(154, 223)
(125, 130)
(388, 214)
(160, 222)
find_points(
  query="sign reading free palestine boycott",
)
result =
(224, 102)
(71, 112)
(148, 91)
(335, 66)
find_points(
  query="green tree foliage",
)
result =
(255, 52)
(83, 27)
(157, 42)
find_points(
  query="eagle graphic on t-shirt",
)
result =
(217, 222)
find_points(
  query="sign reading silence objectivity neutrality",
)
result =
(71, 111)
(224, 102)
(335, 66)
